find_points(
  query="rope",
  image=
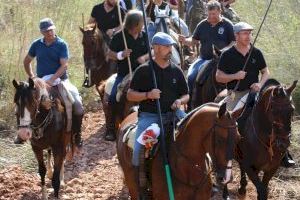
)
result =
(124, 39)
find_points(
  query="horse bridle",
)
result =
(198, 185)
(39, 129)
(275, 124)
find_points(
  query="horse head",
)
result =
(29, 99)
(277, 104)
(224, 138)
(93, 46)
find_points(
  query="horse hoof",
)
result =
(242, 191)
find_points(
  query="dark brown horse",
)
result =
(97, 65)
(266, 136)
(206, 88)
(205, 130)
(41, 118)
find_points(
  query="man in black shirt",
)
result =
(136, 52)
(232, 62)
(214, 30)
(172, 90)
(107, 18)
(230, 71)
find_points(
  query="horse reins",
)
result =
(195, 165)
(273, 136)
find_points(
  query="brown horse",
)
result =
(208, 129)
(97, 65)
(43, 121)
(206, 88)
(266, 136)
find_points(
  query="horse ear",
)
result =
(222, 110)
(290, 89)
(94, 28)
(237, 113)
(16, 84)
(31, 83)
(81, 29)
(217, 51)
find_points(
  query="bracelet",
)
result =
(120, 55)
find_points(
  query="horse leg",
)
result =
(58, 155)
(260, 188)
(49, 165)
(266, 178)
(243, 181)
(42, 170)
(62, 175)
(225, 193)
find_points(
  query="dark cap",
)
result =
(46, 24)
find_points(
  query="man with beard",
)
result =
(212, 31)
(106, 16)
(172, 91)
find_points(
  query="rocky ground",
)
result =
(95, 174)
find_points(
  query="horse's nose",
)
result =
(24, 133)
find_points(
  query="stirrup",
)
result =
(86, 83)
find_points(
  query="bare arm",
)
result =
(114, 55)
(136, 96)
(265, 74)
(27, 66)
(188, 41)
(222, 77)
(92, 20)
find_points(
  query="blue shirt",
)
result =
(48, 57)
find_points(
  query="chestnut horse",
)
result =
(206, 88)
(207, 129)
(266, 136)
(97, 65)
(42, 119)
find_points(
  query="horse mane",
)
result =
(268, 83)
(181, 124)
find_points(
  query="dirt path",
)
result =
(95, 174)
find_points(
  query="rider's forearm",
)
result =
(27, 66)
(265, 75)
(136, 96)
(61, 70)
(184, 99)
(112, 55)
(222, 77)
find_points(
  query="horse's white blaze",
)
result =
(26, 119)
(25, 133)
(228, 173)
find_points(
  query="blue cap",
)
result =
(242, 26)
(46, 24)
(164, 39)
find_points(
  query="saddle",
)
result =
(120, 88)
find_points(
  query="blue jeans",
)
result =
(193, 72)
(151, 30)
(145, 119)
(113, 94)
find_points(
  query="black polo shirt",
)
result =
(106, 20)
(232, 61)
(220, 35)
(151, 7)
(170, 81)
(138, 47)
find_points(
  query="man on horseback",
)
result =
(136, 52)
(213, 31)
(230, 70)
(172, 90)
(106, 16)
(52, 56)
